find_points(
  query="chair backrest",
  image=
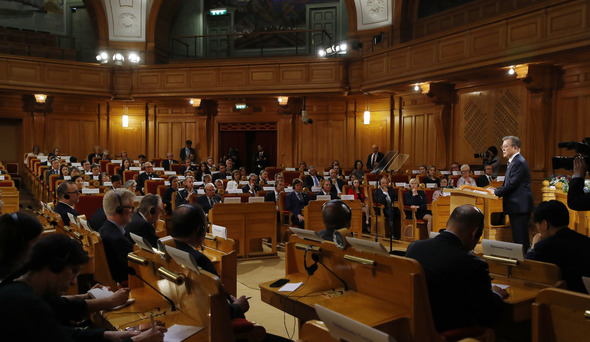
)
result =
(175, 168)
(128, 175)
(560, 315)
(151, 186)
(289, 176)
(111, 168)
(89, 204)
(272, 171)
(103, 165)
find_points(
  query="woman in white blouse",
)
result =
(235, 182)
(465, 177)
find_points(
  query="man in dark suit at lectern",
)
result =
(374, 157)
(517, 197)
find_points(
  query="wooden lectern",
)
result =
(467, 194)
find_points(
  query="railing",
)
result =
(267, 43)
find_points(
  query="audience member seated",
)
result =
(263, 178)
(106, 155)
(116, 182)
(97, 153)
(187, 192)
(468, 300)
(67, 195)
(386, 196)
(359, 193)
(125, 165)
(104, 178)
(188, 165)
(557, 244)
(35, 153)
(374, 158)
(326, 189)
(53, 170)
(206, 180)
(207, 200)
(200, 172)
(86, 167)
(98, 219)
(74, 171)
(295, 201)
(222, 174)
(336, 215)
(279, 177)
(423, 171)
(219, 187)
(273, 196)
(431, 177)
(95, 170)
(170, 190)
(444, 181)
(131, 185)
(167, 164)
(142, 159)
(64, 171)
(252, 187)
(235, 182)
(142, 177)
(485, 179)
(454, 167)
(118, 207)
(416, 199)
(144, 220)
(302, 166)
(55, 153)
(18, 232)
(358, 169)
(337, 183)
(124, 155)
(313, 179)
(210, 164)
(189, 227)
(466, 179)
(229, 166)
(79, 181)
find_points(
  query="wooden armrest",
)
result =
(407, 207)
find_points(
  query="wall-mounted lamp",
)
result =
(40, 98)
(195, 102)
(283, 100)
(240, 106)
(118, 57)
(424, 88)
(367, 117)
(125, 121)
(521, 70)
(335, 50)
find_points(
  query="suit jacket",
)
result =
(166, 164)
(183, 154)
(116, 248)
(167, 199)
(482, 181)
(294, 205)
(379, 157)
(340, 186)
(92, 156)
(49, 173)
(184, 168)
(203, 200)
(246, 189)
(219, 175)
(139, 226)
(141, 178)
(308, 181)
(517, 197)
(332, 195)
(570, 251)
(98, 219)
(260, 161)
(182, 195)
(468, 299)
(63, 209)
(576, 198)
(270, 197)
(381, 198)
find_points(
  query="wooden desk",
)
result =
(246, 222)
(383, 295)
(314, 221)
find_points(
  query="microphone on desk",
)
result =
(316, 258)
(131, 271)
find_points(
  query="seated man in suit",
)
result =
(387, 196)
(336, 215)
(337, 183)
(263, 177)
(67, 195)
(207, 200)
(313, 179)
(327, 189)
(252, 187)
(184, 195)
(470, 299)
(97, 153)
(273, 196)
(86, 166)
(53, 170)
(222, 174)
(485, 179)
(167, 196)
(188, 166)
(296, 201)
(557, 244)
(95, 172)
(118, 207)
(166, 164)
(143, 222)
(142, 177)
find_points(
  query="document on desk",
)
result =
(290, 287)
(178, 332)
(502, 286)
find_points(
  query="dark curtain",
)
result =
(235, 139)
(246, 143)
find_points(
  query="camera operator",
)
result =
(576, 198)
(491, 158)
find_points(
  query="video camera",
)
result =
(567, 163)
(484, 155)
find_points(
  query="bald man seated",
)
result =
(459, 284)
(336, 215)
